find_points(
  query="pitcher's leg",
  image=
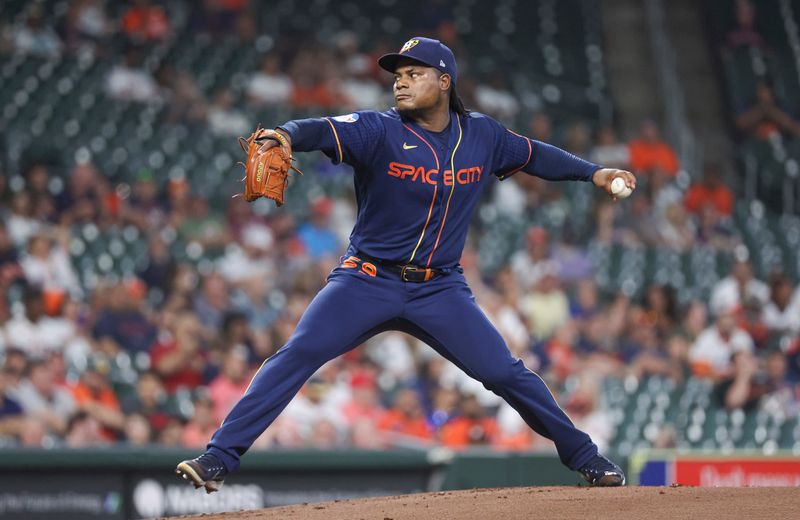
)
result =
(453, 324)
(344, 314)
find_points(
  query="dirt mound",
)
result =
(549, 502)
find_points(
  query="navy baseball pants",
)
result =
(355, 306)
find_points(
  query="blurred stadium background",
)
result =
(139, 297)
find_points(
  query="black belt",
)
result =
(407, 272)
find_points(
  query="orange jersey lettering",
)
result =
(408, 172)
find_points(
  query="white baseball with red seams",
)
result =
(619, 189)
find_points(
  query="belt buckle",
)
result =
(413, 269)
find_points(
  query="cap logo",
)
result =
(441, 63)
(410, 44)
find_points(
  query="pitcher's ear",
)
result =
(445, 81)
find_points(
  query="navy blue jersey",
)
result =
(416, 190)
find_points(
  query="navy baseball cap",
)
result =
(427, 51)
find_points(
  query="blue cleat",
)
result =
(601, 472)
(206, 471)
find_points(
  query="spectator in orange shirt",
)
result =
(94, 396)
(405, 418)
(471, 428)
(649, 151)
(145, 21)
(710, 192)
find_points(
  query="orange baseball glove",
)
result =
(266, 171)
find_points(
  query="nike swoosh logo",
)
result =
(407, 147)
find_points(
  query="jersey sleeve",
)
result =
(352, 138)
(514, 153)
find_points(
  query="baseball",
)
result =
(619, 189)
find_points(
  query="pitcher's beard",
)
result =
(412, 113)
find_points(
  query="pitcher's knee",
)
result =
(308, 350)
(499, 376)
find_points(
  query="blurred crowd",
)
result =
(162, 354)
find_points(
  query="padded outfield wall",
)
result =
(735, 469)
(140, 483)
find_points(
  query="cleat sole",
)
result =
(188, 473)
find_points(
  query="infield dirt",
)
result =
(540, 503)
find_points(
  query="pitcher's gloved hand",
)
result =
(269, 159)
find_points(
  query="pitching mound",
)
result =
(549, 502)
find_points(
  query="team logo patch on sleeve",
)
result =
(347, 118)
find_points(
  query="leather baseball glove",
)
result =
(266, 167)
